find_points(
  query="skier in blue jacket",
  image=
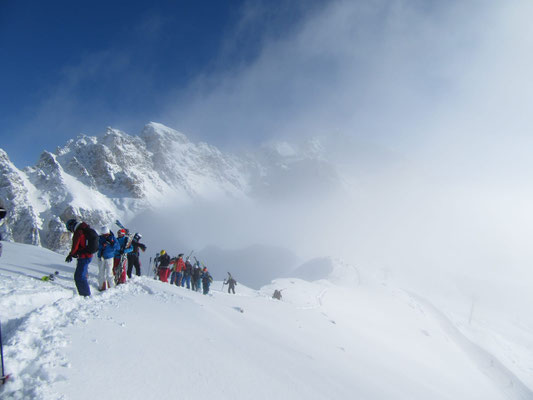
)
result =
(119, 265)
(107, 247)
(206, 280)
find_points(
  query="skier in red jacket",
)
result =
(80, 252)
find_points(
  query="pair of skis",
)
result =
(155, 268)
(120, 270)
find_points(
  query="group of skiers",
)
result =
(118, 255)
(113, 255)
(182, 272)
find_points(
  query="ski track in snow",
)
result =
(502, 377)
(33, 340)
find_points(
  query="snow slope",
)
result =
(327, 339)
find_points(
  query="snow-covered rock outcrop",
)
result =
(23, 223)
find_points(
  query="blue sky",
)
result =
(78, 67)
(423, 78)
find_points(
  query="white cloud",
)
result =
(437, 93)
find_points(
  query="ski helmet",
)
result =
(104, 230)
(137, 237)
(71, 224)
(121, 232)
(162, 252)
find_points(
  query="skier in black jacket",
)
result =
(187, 274)
(197, 277)
(231, 283)
(133, 257)
(164, 262)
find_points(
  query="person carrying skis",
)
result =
(187, 274)
(231, 283)
(164, 262)
(197, 277)
(173, 273)
(80, 250)
(119, 263)
(177, 274)
(206, 280)
(133, 257)
(107, 247)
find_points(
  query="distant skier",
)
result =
(164, 262)
(119, 263)
(107, 247)
(277, 294)
(197, 277)
(133, 257)
(187, 274)
(206, 280)
(231, 283)
(3, 213)
(84, 240)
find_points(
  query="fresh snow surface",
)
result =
(329, 339)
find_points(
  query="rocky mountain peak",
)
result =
(49, 165)
(154, 132)
(22, 224)
(116, 175)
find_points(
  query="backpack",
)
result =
(91, 240)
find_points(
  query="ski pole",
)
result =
(4, 377)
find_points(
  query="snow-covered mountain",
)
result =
(339, 332)
(17, 194)
(100, 179)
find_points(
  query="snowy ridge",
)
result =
(321, 341)
(488, 363)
